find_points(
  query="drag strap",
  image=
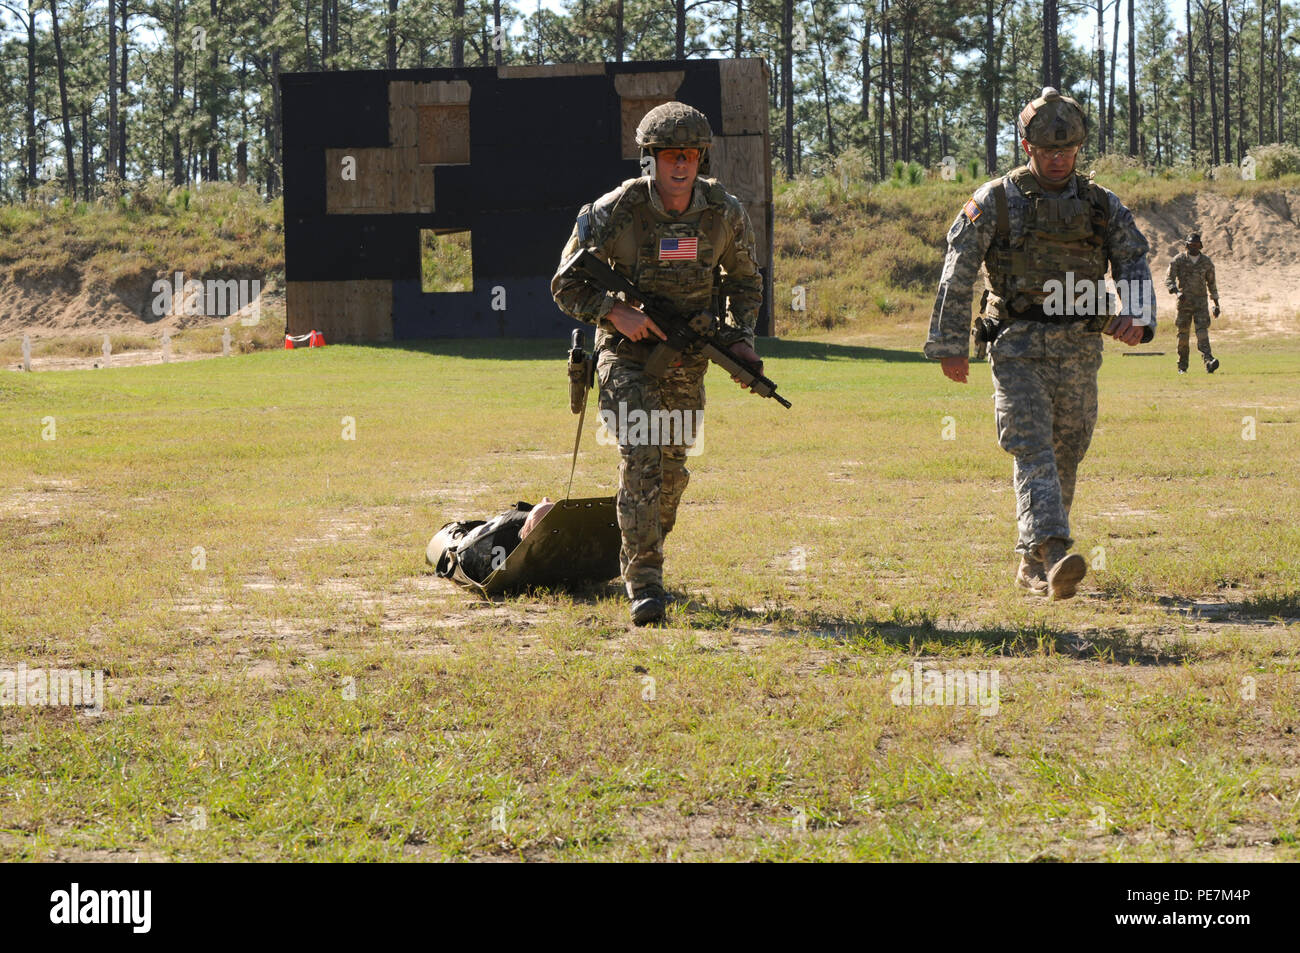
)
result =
(577, 439)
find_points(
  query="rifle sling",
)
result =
(577, 439)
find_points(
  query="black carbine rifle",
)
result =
(682, 331)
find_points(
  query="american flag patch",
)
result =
(673, 249)
(972, 210)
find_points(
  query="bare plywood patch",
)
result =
(662, 86)
(367, 188)
(444, 134)
(341, 310)
(744, 96)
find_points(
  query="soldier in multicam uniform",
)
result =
(1040, 224)
(1190, 275)
(676, 234)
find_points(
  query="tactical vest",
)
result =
(665, 264)
(1059, 235)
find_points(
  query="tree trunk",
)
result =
(865, 57)
(334, 33)
(1277, 72)
(241, 150)
(499, 37)
(826, 83)
(1051, 71)
(112, 89)
(739, 44)
(1277, 56)
(889, 66)
(787, 84)
(1259, 115)
(458, 35)
(620, 32)
(1156, 97)
(87, 182)
(69, 159)
(390, 43)
(679, 29)
(273, 168)
(178, 93)
(121, 119)
(880, 96)
(990, 94)
(1241, 95)
(1015, 66)
(1191, 79)
(1207, 18)
(908, 133)
(1110, 104)
(1227, 102)
(215, 92)
(1132, 84)
(1101, 76)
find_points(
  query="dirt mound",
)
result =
(59, 306)
(1254, 242)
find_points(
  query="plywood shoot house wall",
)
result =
(380, 163)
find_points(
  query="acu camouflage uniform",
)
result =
(630, 228)
(1190, 278)
(1044, 373)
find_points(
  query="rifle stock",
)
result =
(682, 332)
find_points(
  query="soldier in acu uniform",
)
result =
(1040, 224)
(1190, 275)
(684, 237)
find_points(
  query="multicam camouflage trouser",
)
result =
(1193, 313)
(652, 475)
(1045, 400)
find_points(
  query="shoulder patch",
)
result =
(972, 210)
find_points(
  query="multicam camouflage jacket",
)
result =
(674, 256)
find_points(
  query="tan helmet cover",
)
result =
(675, 126)
(1053, 121)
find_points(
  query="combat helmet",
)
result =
(1053, 121)
(675, 126)
(1194, 238)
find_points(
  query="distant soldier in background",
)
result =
(1043, 226)
(1190, 275)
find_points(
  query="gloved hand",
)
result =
(1216, 309)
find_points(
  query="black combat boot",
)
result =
(648, 606)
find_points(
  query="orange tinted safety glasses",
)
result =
(679, 155)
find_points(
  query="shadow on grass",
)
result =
(921, 634)
(917, 633)
(556, 349)
(1258, 608)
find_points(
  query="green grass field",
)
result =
(285, 681)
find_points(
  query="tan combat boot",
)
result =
(1032, 575)
(1064, 569)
